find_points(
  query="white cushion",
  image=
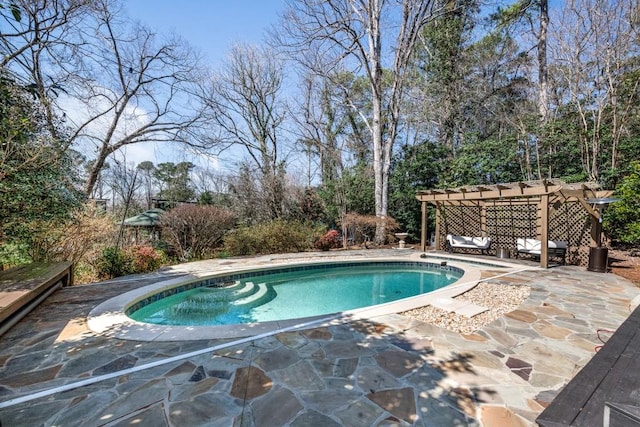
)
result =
(468, 242)
(534, 246)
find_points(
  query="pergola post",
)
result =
(423, 230)
(438, 225)
(544, 231)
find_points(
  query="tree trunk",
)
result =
(376, 124)
(96, 168)
(543, 72)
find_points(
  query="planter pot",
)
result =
(503, 253)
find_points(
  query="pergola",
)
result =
(548, 209)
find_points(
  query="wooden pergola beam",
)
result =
(496, 193)
(460, 202)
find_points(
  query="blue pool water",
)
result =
(295, 294)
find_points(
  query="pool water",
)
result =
(294, 294)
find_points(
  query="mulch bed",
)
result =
(626, 263)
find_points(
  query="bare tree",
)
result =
(332, 131)
(349, 34)
(322, 122)
(34, 37)
(123, 179)
(36, 26)
(246, 106)
(115, 83)
(591, 62)
(543, 69)
(210, 185)
(146, 170)
(151, 92)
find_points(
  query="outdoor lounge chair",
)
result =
(533, 247)
(465, 242)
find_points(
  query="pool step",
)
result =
(263, 295)
(217, 295)
(200, 308)
(215, 302)
(245, 290)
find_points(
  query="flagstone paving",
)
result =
(386, 371)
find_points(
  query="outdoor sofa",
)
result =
(533, 247)
(466, 242)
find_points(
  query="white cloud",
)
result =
(79, 112)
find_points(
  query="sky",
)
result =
(211, 27)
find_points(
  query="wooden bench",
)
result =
(22, 288)
(465, 242)
(556, 248)
(607, 386)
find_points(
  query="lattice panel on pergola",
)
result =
(568, 221)
(461, 221)
(505, 222)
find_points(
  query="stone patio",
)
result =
(382, 371)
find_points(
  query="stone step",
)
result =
(463, 308)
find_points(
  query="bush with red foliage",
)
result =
(328, 241)
(145, 258)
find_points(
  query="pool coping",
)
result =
(110, 319)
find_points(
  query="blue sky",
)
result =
(211, 26)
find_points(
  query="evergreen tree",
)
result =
(37, 179)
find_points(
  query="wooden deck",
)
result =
(611, 379)
(21, 288)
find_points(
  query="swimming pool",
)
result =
(112, 317)
(291, 293)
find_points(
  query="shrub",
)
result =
(308, 207)
(86, 231)
(113, 262)
(328, 241)
(84, 272)
(272, 237)
(13, 254)
(622, 219)
(145, 258)
(242, 241)
(80, 239)
(195, 230)
(116, 262)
